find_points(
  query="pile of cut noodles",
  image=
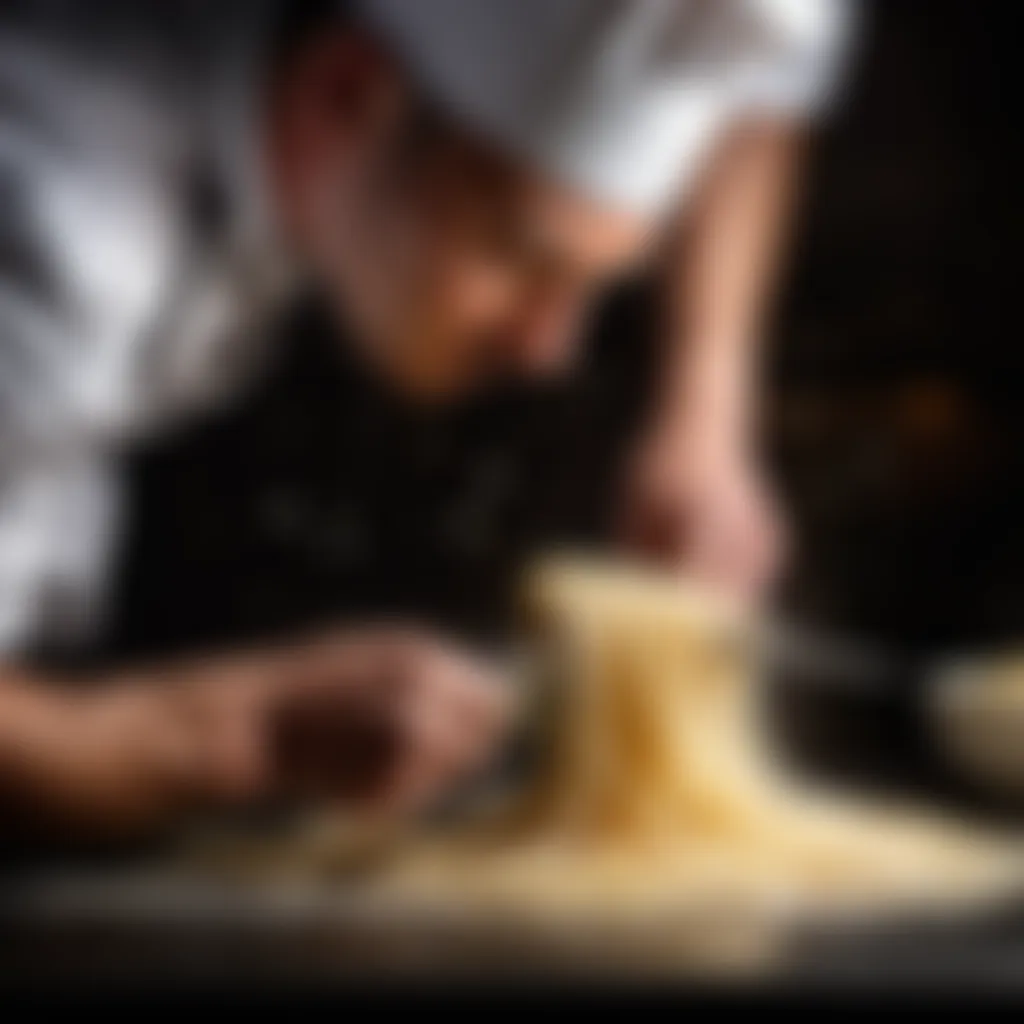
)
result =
(655, 802)
(655, 790)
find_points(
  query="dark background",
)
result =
(893, 418)
(897, 413)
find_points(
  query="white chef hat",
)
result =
(620, 98)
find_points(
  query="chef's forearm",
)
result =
(111, 757)
(720, 276)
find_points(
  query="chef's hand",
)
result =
(388, 721)
(385, 720)
(699, 504)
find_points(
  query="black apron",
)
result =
(322, 498)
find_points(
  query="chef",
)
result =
(461, 180)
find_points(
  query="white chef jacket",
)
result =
(118, 315)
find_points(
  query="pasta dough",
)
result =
(978, 715)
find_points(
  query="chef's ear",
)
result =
(343, 83)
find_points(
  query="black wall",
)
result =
(898, 369)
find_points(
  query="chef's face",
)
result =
(449, 265)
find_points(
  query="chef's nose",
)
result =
(544, 337)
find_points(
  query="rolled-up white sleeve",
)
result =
(58, 489)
